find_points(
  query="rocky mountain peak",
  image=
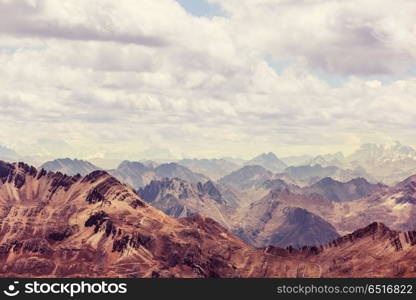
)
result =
(373, 153)
(70, 166)
(269, 155)
(16, 172)
(410, 181)
(95, 175)
(301, 228)
(359, 181)
(343, 191)
(211, 189)
(5, 169)
(376, 230)
(269, 161)
(179, 198)
(375, 227)
(132, 164)
(250, 176)
(326, 181)
(275, 184)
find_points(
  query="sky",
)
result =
(205, 78)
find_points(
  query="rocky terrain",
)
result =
(139, 174)
(259, 215)
(395, 206)
(372, 251)
(284, 217)
(70, 166)
(282, 225)
(343, 191)
(253, 176)
(179, 198)
(369, 155)
(339, 206)
(55, 225)
(247, 177)
(268, 161)
(279, 218)
(388, 164)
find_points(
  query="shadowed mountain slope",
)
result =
(179, 198)
(343, 191)
(137, 174)
(54, 225)
(268, 161)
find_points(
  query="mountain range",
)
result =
(70, 166)
(275, 213)
(343, 191)
(305, 175)
(179, 198)
(349, 206)
(268, 161)
(265, 201)
(137, 174)
(280, 224)
(328, 160)
(213, 168)
(55, 225)
(247, 177)
(94, 226)
(7, 154)
(388, 164)
(251, 191)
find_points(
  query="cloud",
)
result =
(40, 19)
(208, 90)
(346, 37)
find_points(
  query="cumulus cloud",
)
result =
(126, 76)
(90, 21)
(347, 37)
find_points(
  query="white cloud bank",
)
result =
(124, 76)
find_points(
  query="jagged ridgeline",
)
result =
(54, 225)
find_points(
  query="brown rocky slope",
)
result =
(53, 225)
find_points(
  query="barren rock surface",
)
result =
(53, 225)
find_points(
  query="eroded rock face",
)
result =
(394, 206)
(179, 198)
(5, 169)
(53, 225)
(280, 222)
(334, 202)
(137, 175)
(303, 227)
(56, 225)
